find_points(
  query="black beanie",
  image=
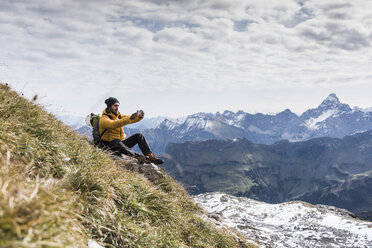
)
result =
(110, 101)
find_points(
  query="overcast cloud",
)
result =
(179, 57)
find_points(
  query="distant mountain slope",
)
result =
(322, 170)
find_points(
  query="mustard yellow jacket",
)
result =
(114, 126)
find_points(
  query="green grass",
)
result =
(49, 201)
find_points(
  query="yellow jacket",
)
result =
(114, 126)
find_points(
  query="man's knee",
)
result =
(120, 148)
(139, 136)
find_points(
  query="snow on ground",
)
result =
(290, 224)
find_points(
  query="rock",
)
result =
(149, 170)
(215, 217)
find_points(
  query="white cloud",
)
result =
(73, 51)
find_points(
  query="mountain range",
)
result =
(330, 119)
(324, 170)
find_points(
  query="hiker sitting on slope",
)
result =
(112, 134)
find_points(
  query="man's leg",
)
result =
(119, 147)
(139, 139)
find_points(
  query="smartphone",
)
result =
(140, 112)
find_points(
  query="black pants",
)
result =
(123, 147)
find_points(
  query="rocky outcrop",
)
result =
(149, 170)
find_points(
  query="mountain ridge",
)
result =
(331, 119)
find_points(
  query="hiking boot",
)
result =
(154, 159)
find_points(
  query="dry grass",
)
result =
(47, 200)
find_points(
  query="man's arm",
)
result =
(133, 118)
(107, 123)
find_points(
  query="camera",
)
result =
(140, 113)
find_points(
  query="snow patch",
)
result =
(209, 125)
(255, 129)
(339, 222)
(313, 123)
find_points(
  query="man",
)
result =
(112, 134)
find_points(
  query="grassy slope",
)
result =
(47, 200)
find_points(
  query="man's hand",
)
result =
(140, 115)
(133, 116)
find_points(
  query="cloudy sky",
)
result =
(173, 58)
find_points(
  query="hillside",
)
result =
(328, 171)
(59, 191)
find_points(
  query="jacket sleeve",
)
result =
(106, 123)
(137, 119)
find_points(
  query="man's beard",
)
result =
(114, 112)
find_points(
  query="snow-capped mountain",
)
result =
(289, 224)
(151, 122)
(330, 107)
(331, 119)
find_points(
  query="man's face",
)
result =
(115, 108)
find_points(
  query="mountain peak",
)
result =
(286, 111)
(332, 98)
(166, 123)
(330, 107)
(227, 112)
